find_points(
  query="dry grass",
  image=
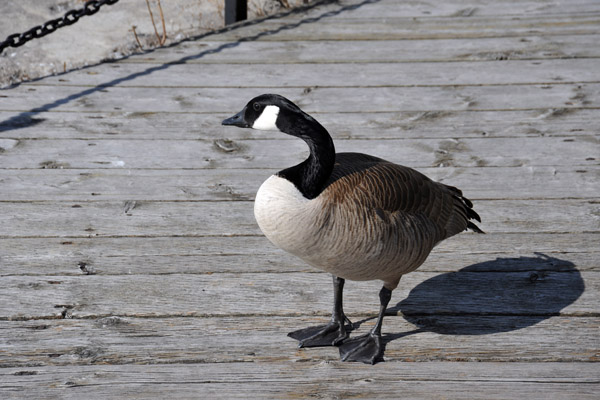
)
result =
(161, 39)
(136, 37)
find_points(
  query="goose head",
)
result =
(273, 112)
(260, 113)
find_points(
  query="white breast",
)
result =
(348, 241)
(322, 236)
(284, 215)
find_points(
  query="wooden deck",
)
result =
(131, 265)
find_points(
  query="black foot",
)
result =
(366, 348)
(331, 334)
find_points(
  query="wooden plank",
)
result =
(143, 249)
(583, 373)
(324, 27)
(221, 153)
(338, 75)
(281, 379)
(431, 124)
(371, 9)
(212, 341)
(467, 291)
(367, 99)
(526, 47)
(181, 255)
(457, 8)
(527, 182)
(108, 218)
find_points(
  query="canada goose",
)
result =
(354, 215)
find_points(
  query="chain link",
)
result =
(19, 39)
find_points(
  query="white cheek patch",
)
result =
(267, 119)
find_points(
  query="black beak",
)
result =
(237, 120)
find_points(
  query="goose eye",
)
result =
(256, 106)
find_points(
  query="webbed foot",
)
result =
(331, 334)
(366, 348)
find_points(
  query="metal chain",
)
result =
(19, 39)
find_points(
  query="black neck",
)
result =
(311, 175)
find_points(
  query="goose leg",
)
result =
(368, 348)
(334, 332)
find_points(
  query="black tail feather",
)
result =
(474, 227)
(466, 209)
(471, 214)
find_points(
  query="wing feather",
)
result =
(400, 192)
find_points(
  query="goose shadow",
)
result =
(501, 295)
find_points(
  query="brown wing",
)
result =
(394, 191)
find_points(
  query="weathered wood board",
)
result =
(468, 291)
(223, 153)
(285, 380)
(303, 28)
(367, 99)
(131, 265)
(207, 254)
(511, 72)
(206, 184)
(526, 47)
(260, 339)
(117, 125)
(206, 218)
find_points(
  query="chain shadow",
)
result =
(27, 118)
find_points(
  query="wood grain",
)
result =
(349, 29)
(208, 218)
(467, 291)
(119, 340)
(277, 379)
(427, 124)
(263, 75)
(525, 47)
(367, 99)
(221, 153)
(132, 267)
(236, 254)
(67, 184)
